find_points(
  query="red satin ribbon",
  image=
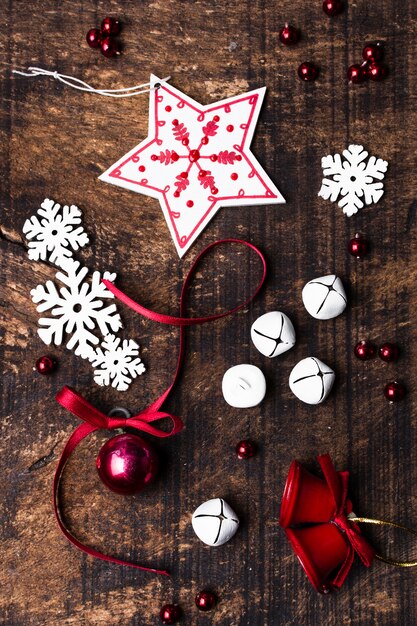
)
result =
(94, 419)
(338, 486)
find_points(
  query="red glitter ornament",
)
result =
(358, 246)
(357, 74)
(332, 7)
(389, 352)
(372, 52)
(93, 38)
(110, 26)
(364, 350)
(394, 391)
(205, 600)
(377, 71)
(110, 48)
(308, 71)
(289, 35)
(245, 449)
(170, 613)
(45, 365)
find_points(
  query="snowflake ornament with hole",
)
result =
(355, 179)
(77, 308)
(55, 232)
(196, 159)
(117, 362)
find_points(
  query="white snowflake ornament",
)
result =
(355, 179)
(55, 232)
(77, 308)
(117, 362)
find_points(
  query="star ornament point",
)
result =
(196, 159)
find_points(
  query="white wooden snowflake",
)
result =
(77, 308)
(55, 232)
(352, 178)
(117, 362)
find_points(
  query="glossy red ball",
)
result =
(389, 352)
(110, 26)
(377, 71)
(126, 464)
(308, 71)
(364, 350)
(93, 38)
(45, 365)
(289, 35)
(205, 600)
(372, 52)
(358, 246)
(170, 613)
(356, 74)
(394, 391)
(194, 155)
(332, 7)
(110, 48)
(245, 449)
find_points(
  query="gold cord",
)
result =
(378, 522)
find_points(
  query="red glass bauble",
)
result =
(205, 600)
(389, 352)
(289, 35)
(356, 74)
(110, 48)
(364, 350)
(308, 71)
(245, 449)
(332, 7)
(377, 71)
(126, 464)
(93, 38)
(45, 365)
(194, 155)
(372, 52)
(170, 613)
(394, 391)
(110, 26)
(358, 246)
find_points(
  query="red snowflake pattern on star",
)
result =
(196, 159)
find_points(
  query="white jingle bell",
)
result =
(215, 522)
(324, 297)
(273, 333)
(311, 380)
(243, 386)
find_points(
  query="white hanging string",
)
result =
(77, 83)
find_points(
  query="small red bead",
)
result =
(214, 190)
(141, 168)
(154, 157)
(205, 600)
(185, 141)
(170, 613)
(213, 157)
(175, 122)
(245, 449)
(110, 26)
(205, 141)
(364, 350)
(289, 35)
(230, 128)
(45, 365)
(377, 71)
(184, 174)
(358, 246)
(356, 74)
(389, 352)
(194, 155)
(190, 203)
(332, 7)
(308, 71)
(239, 157)
(234, 176)
(168, 109)
(93, 38)
(202, 173)
(394, 391)
(176, 194)
(216, 118)
(174, 157)
(110, 48)
(372, 52)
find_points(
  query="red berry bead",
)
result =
(377, 71)
(372, 52)
(194, 155)
(289, 35)
(170, 613)
(93, 38)
(308, 71)
(394, 391)
(356, 74)
(358, 246)
(364, 350)
(110, 48)
(45, 365)
(245, 449)
(110, 26)
(205, 600)
(389, 352)
(332, 7)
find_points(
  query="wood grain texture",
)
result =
(55, 142)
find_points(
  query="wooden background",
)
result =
(55, 143)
